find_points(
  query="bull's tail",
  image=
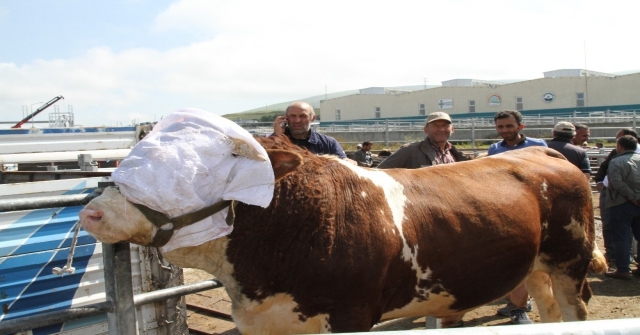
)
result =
(598, 261)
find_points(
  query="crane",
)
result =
(38, 111)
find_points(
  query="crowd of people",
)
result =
(617, 178)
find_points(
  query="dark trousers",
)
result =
(625, 220)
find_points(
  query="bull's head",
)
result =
(112, 218)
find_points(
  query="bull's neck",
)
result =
(210, 257)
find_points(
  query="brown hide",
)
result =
(478, 226)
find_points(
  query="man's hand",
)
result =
(279, 125)
(599, 186)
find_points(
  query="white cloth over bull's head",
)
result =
(186, 163)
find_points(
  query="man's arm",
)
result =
(336, 149)
(585, 166)
(602, 169)
(397, 159)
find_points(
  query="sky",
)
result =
(123, 61)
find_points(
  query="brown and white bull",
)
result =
(342, 247)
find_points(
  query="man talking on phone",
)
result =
(296, 124)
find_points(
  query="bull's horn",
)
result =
(242, 148)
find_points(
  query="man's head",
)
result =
(299, 117)
(582, 134)
(626, 131)
(438, 127)
(366, 145)
(626, 143)
(508, 124)
(565, 130)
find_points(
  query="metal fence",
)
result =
(120, 301)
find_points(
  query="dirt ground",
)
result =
(613, 299)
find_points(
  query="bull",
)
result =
(340, 247)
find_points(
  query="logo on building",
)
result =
(494, 100)
(548, 97)
(445, 103)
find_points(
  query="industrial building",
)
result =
(559, 92)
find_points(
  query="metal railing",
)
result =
(120, 301)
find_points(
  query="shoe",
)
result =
(509, 307)
(519, 316)
(618, 275)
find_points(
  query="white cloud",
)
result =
(245, 54)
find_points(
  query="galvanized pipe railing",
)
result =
(120, 303)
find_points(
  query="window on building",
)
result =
(422, 110)
(337, 115)
(472, 106)
(579, 99)
(519, 104)
(377, 109)
(377, 114)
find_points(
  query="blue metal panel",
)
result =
(32, 243)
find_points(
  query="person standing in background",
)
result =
(508, 125)
(582, 134)
(363, 155)
(433, 150)
(623, 201)
(562, 134)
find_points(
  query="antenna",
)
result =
(586, 75)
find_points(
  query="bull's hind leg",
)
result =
(539, 286)
(568, 293)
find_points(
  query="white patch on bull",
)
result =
(543, 189)
(576, 230)
(436, 304)
(396, 200)
(545, 226)
(276, 315)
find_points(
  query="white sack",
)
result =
(186, 164)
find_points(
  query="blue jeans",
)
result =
(625, 219)
(607, 234)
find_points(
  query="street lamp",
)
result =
(31, 112)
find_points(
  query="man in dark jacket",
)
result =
(296, 124)
(563, 132)
(433, 150)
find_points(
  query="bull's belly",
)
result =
(276, 315)
(436, 305)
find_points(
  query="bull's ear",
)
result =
(241, 148)
(284, 162)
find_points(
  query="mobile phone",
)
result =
(284, 123)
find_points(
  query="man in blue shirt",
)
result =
(296, 124)
(509, 124)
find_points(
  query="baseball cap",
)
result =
(565, 127)
(438, 116)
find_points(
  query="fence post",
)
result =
(119, 288)
(386, 133)
(473, 134)
(634, 121)
(432, 323)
